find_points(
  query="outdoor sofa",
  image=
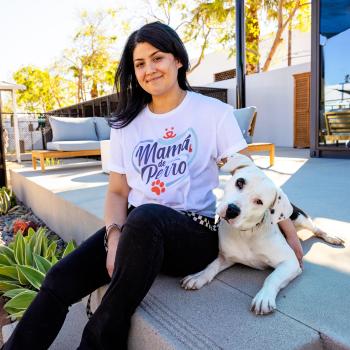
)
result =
(73, 137)
(77, 137)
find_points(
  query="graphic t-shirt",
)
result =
(171, 158)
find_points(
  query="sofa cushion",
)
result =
(72, 129)
(72, 145)
(103, 130)
(244, 118)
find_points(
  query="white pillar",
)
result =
(15, 127)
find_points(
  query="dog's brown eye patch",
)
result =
(240, 183)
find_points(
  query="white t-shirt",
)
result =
(171, 158)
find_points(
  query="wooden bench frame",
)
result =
(338, 126)
(260, 146)
(42, 155)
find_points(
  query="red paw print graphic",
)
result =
(158, 187)
(169, 133)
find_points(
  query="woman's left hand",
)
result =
(294, 243)
(113, 241)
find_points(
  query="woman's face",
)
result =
(155, 71)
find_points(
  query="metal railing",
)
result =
(105, 105)
(32, 129)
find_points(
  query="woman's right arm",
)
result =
(116, 205)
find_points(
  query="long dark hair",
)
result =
(131, 97)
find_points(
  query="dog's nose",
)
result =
(232, 211)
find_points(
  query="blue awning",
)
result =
(334, 17)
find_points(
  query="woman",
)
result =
(165, 142)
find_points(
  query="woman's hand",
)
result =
(294, 243)
(116, 205)
(113, 240)
(289, 231)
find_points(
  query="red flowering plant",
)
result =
(23, 226)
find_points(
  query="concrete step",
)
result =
(215, 317)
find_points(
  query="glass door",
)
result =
(334, 109)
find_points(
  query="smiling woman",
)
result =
(166, 141)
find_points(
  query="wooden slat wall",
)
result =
(302, 110)
(225, 75)
(108, 103)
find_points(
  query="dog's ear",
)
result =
(235, 162)
(281, 208)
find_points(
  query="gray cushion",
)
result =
(102, 128)
(244, 117)
(73, 145)
(72, 129)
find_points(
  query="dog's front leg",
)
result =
(201, 278)
(265, 301)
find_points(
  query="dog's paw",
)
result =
(264, 302)
(334, 240)
(193, 282)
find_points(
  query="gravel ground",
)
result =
(22, 212)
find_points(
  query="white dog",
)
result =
(248, 232)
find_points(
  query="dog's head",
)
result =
(249, 195)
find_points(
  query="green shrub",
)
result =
(23, 266)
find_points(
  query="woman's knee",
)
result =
(145, 222)
(147, 214)
(54, 278)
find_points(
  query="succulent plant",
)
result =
(23, 266)
(7, 200)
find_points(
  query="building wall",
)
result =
(212, 63)
(219, 61)
(273, 94)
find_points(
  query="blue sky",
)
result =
(337, 55)
(36, 31)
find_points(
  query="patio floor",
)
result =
(312, 312)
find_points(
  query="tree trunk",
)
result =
(281, 27)
(290, 44)
(94, 91)
(52, 89)
(277, 42)
(80, 86)
(201, 56)
(252, 36)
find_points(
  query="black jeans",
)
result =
(155, 239)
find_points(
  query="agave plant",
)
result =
(52, 162)
(7, 200)
(23, 266)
